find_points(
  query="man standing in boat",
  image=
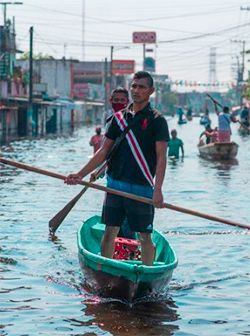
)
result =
(224, 121)
(137, 167)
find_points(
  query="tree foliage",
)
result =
(39, 56)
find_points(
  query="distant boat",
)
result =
(244, 130)
(124, 277)
(219, 150)
(183, 121)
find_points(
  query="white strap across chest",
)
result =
(135, 148)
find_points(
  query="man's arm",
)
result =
(233, 118)
(93, 163)
(161, 163)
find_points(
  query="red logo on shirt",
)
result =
(144, 123)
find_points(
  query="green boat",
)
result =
(125, 279)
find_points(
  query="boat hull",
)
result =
(219, 151)
(126, 280)
(181, 122)
(119, 287)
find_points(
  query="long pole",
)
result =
(83, 30)
(243, 58)
(144, 56)
(30, 105)
(31, 67)
(124, 194)
(106, 83)
(111, 68)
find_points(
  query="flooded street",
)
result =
(41, 291)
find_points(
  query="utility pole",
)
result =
(144, 56)
(106, 84)
(83, 30)
(111, 68)
(241, 68)
(30, 105)
(112, 80)
(4, 4)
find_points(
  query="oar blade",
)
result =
(57, 220)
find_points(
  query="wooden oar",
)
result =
(124, 194)
(244, 126)
(57, 220)
(214, 100)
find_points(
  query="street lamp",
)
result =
(4, 4)
(112, 49)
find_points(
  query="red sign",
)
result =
(83, 74)
(80, 90)
(144, 37)
(123, 67)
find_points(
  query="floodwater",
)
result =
(41, 291)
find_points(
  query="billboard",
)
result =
(144, 37)
(123, 67)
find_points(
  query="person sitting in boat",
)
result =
(224, 121)
(215, 135)
(137, 167)
(96, 140)
(245, 116)
(210, 134)
(174, 145)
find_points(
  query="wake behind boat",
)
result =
(219, 150)
(124, 277)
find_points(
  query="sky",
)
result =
(186, 31)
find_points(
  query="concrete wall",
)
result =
(55, 73)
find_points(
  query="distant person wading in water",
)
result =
(174, 145)
(96, 140)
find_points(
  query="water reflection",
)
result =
(226, 164)
(144, 318)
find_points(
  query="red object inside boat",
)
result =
(127, 249)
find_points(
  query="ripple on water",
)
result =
(41, 279)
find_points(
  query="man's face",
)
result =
(140, 90)
(174, 134)
(119, 101)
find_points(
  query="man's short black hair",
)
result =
(144, 74)
(226, 109)
(120, 89)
